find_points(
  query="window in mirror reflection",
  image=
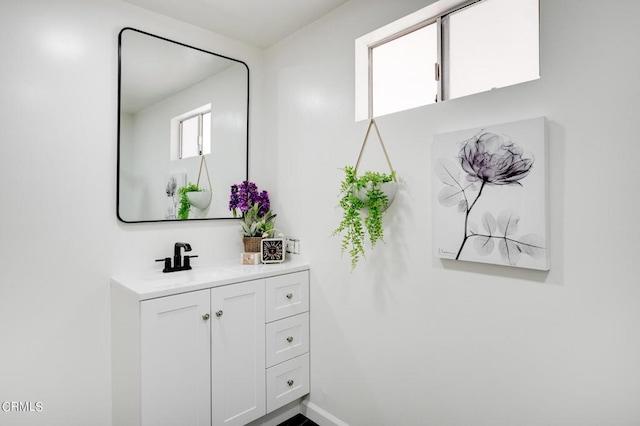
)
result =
(195, 132)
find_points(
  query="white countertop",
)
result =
(154, 284)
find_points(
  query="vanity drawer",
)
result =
(287, 338)
(287, 382)
(287, 295)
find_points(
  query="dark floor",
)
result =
(298, 420)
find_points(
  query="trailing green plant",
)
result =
(354, 206)
(185, 204)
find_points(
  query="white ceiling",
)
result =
(260, 23)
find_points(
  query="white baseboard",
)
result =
(318, 415)
(279, 416)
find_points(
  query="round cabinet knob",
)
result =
(289, 296)
(290, 382)
(219, 314)
(290, 339)
(205, 317)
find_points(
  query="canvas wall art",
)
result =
(491, 194)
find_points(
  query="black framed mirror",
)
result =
(183, 120)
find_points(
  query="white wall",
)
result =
(409, 339)
(60, 240)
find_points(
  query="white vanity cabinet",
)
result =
(287, 339)
(237, 353)
(175, 360)
(194, 350)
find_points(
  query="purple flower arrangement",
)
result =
(245, 195)
(254, 205)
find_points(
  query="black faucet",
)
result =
(177, 259)
(178, 263)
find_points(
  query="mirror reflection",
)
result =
(182, 129)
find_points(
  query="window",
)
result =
(449, 49)
(493, 43)
(191, 133)
(398, 70)
(195, 135)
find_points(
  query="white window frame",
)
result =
(200, 133)
(176, 131)
(363, 46)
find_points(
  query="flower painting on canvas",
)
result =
(490, 186)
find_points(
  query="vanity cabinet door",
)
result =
(238, 353)
(175, 360)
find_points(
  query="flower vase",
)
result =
(251, 244)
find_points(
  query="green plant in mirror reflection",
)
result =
(185, 204)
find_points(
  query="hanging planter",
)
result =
(363, 200)
(201, 199)
(185, 204)
(389, 188)
(193, 195)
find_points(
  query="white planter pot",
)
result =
(199, 199)
(389, 188)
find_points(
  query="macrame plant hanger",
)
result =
(202, 203)
(206, 169)
(373, 124)
(390, 190)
